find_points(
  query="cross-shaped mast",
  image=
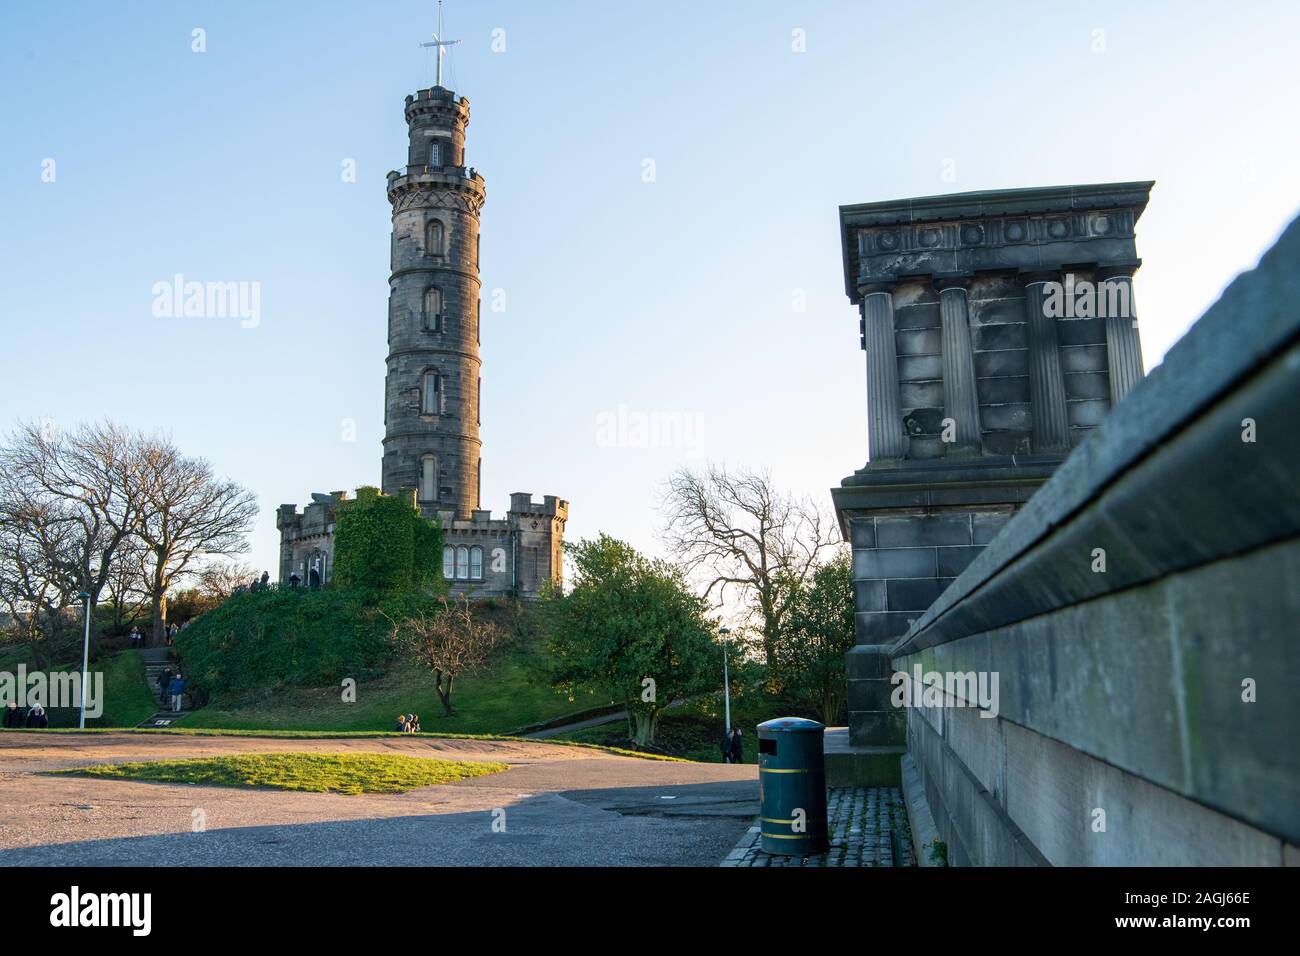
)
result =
(440, 44)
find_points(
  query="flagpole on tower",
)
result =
(440, 45)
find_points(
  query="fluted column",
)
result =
(1046, 384)
(960, 402)
(885, 436)
(1123, 347)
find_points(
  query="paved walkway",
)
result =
(555, 806)
(868, 827)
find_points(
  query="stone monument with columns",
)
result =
(999, 329)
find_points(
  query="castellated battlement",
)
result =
(521, 503)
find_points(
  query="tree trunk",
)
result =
(646, 722)
(159, 605)
(444, 694)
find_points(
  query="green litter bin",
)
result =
(792, 787)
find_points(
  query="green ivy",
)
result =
(381, 543)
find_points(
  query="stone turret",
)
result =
(431, 405)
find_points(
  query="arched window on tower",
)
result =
(448, 563)
(476, 563)
(462, 563)
(432, 319)
(431, 394)
(428, 478)
(434, 234)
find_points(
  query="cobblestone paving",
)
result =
(861, 821)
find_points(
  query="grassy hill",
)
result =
(127, 699)
(277, 660)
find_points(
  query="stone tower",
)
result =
(431, 389)
(431, 396)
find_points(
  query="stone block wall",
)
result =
(1146, 708)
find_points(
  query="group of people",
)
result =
(732, 750)
(408, 723)
(169, 634)
(171, 685)
(35, 716)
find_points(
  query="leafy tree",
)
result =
(629, 627)
(818, 632)
(455, 640)
(382, 543)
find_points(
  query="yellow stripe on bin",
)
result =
(782, 770)
(771, 820)
(785, 836)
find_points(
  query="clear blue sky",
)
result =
(666, 297)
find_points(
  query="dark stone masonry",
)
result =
(999, 331)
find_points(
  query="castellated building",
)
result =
(433, 383)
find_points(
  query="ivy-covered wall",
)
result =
(382, 543)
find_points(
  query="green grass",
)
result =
(277, 660)
(312, 772)
(693, 731)
(126, 696)
(505, 696)
(342, 735)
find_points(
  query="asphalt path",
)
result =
(555, 806)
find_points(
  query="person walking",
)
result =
(177, 690)
(401, 724)
(737, 748)
(725, 746)
(135, 637)
(14, 717)
(37, 718)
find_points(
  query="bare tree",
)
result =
(36, 588)
(450, 642)
(736, 531)
(185, 514)
(220, 579)
(126, 583)
(79, 483)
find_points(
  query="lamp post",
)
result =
(85, 658)
(724, 633)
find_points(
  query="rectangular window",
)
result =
(428, 478)
(432, 394)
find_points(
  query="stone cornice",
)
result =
(1013, 230)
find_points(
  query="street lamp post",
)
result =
(725, 632)
(85, 658)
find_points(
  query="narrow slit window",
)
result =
(431, 402)
(432, 310)
(428, 478)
